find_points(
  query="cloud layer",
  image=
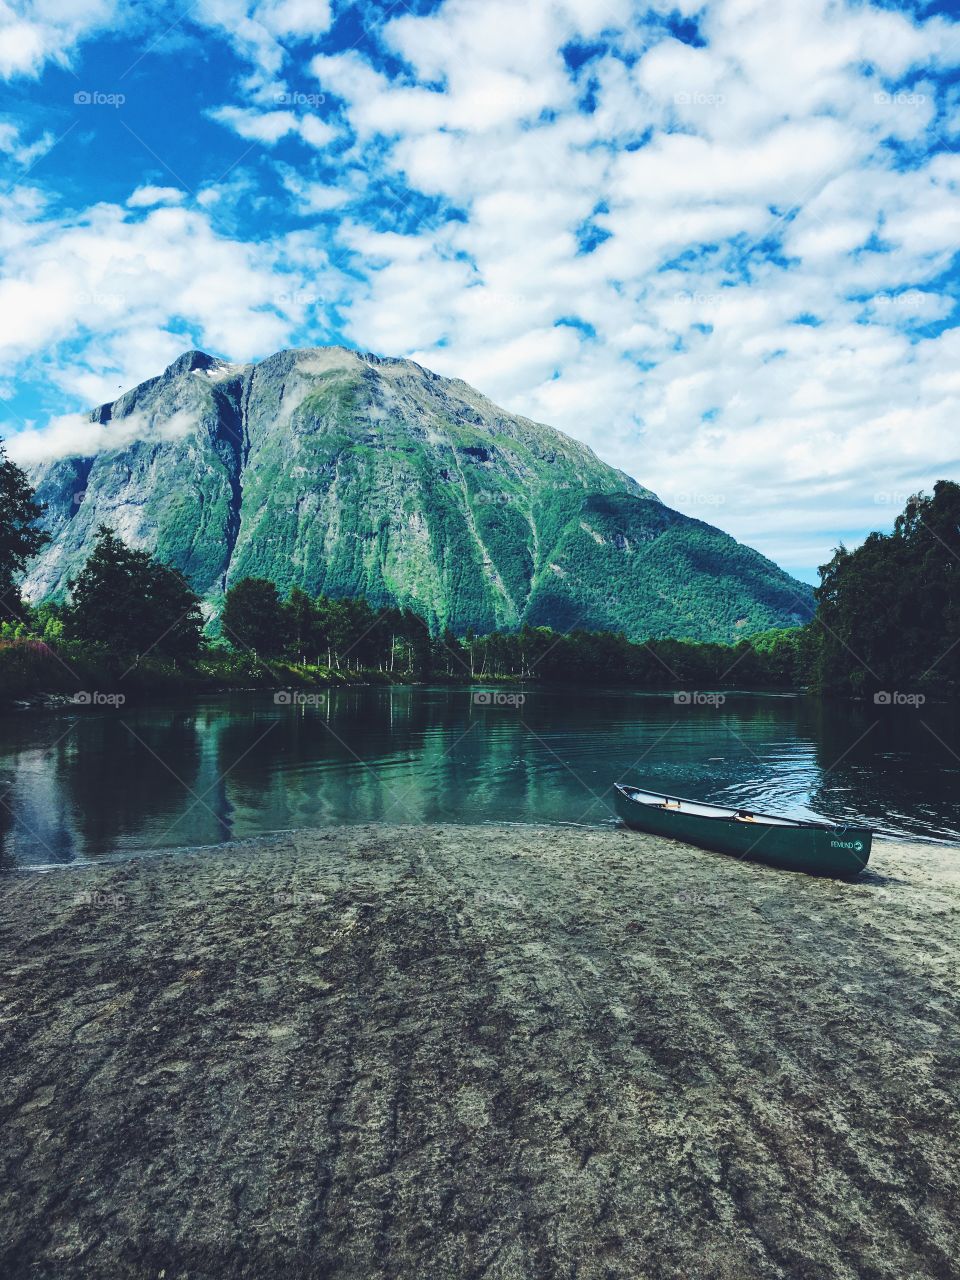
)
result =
(715, 242)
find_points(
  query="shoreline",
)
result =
(494, 1051)
(52, 700)
(900, 844)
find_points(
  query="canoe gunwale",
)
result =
(722, 814)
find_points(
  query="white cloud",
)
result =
(35, 32)
(21, 45)
(41, 31)
(489, 80)
(148, 195)
(715, 259)
(261, 126)
(766, 189)
(316, 197)
(261, 31)
(316, 132)
(136, 287)
(269, 127)
(294, 17)
(20, 152)
(74, 434)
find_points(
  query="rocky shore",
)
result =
(505, 1052)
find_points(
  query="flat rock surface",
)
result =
(500, 1051)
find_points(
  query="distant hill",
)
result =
(348, 474)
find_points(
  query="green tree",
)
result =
(451, 656)
(47, 621)
(127, 603)
(365, 646)
(417, 637)
(254, 617)
(301, 625)
(337, 624)
(888, 613)
(19, 536)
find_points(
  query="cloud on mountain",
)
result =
(711, 240)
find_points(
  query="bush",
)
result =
(29, 666)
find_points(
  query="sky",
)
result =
(717, 242)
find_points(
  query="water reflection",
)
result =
(83, 785)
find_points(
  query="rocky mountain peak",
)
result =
(189, 361)
(349, 473)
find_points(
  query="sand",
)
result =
(499, 1051)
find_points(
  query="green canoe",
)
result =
(819, 848)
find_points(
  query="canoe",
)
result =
(819, 848)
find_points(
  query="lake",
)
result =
(79, 785)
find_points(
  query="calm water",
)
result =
(81, 785)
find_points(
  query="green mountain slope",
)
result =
(347, 474)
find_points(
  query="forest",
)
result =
(887, 619)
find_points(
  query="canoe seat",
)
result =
(688, 806)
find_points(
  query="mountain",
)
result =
(350, 474)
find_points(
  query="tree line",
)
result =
(888, 613)
(888, 617)
(125, 606)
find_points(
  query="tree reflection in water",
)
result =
(237, 766)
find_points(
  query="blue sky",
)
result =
(716, 242)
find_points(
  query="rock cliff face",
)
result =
(353, 475)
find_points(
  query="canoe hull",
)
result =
(817, 850)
